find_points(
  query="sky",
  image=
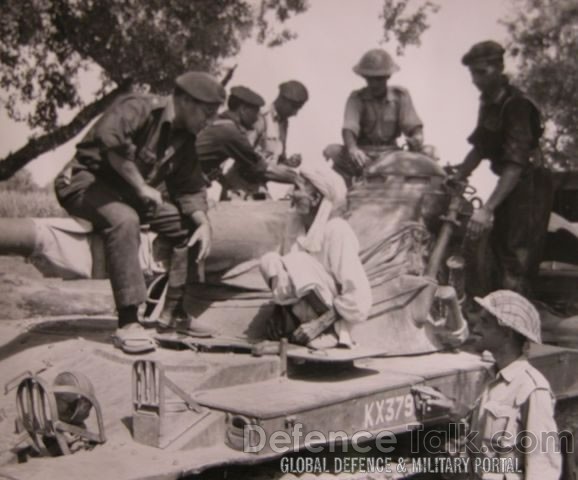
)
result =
(331, 37)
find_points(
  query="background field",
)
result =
(40, 203)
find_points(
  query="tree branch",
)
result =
(49, 141)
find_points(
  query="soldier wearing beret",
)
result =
(227, 138)
(507, 134)
(139, 143)
(271, 130)
(375, 117)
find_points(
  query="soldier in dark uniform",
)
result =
(507, 134)
(139, 143)
(227, 138)
(375, 117)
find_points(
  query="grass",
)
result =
(15, 204)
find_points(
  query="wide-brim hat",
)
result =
(513, 311)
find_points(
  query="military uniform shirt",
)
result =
(508, 129)
(269, 135)
(224, 139)
(380, 121)
(140, 129)
(518, 399)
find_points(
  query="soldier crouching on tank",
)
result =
(508, 134)
(271, 132)
(320, 283)
(375, 117)
(139, 143)
(227, 138)
(516, 408)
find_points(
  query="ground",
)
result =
(24, 293)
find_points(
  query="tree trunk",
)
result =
(49, 141)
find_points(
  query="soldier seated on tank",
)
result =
(140, 143)
(375, 117)
(320, 283)
(226, 138)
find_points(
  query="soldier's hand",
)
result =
(481, 220)
(293, 161)
(358, 156)
(304, 334)
(202, 236)
(151, 197)
(281, 286)
(415, 144)
(433, 398)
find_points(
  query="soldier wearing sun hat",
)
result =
(375, 117)
(508, 135)
(517, 405)
(139, 143)
(227, 138)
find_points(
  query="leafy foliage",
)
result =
(544, 40)
(406, 24)
(48, 43)
(20, 182)
(49, 47)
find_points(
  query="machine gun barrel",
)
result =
(450, 222)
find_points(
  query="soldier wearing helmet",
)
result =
(375, 117)
(227, 138)
(517, 405)
(113, 181)
(508, 134)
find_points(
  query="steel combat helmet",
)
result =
(513, 311)
(376, 63)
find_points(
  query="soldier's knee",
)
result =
(125, 223)
(269, 265)
(333, 151)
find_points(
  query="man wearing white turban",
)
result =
(320, 280)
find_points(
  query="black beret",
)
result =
(294, 91)
(483, 52)
(246, 95)
(202, 86)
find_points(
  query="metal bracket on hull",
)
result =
(157, 421)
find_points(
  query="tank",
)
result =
(74, 406)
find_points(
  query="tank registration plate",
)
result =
(389, 411)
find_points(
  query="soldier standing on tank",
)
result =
(516, 408)
(375, 117)
(227, 138)
(507, 134)
(139, 143)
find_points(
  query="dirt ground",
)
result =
(25, 293)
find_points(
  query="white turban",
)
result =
(334, 191)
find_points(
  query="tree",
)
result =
(544, 41)
(48, 45)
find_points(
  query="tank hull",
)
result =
(372, 395)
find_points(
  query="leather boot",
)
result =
(172, 309)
